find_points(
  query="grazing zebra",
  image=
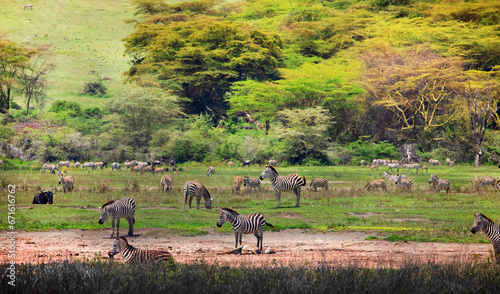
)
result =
(374, 184)
(237, 184)
(124, 207)
(251, 183)
(414, 166)
(130, 164)
(246, 163)
(192, 189)
(252, 223)
(28, 6)
(51, 167)
(392, 178)
(166, 183)
(136, 255)
(439, 184)
(391, 166)
(210, 171)
(487, 225)
(101, 164)
(487, 181)
(404, 183)
(67, 182)
(63, 163)
(318, 182)
(279, 183)
(86, 165)
(434, 162)
(116, 165)
(273, 163)
(147, 168)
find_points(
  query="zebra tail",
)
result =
(304, 179)
(268, 224)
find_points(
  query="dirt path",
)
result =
(298, 247)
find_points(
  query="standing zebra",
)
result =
(63, 163)
(124, 207)
(130, 164)
(487, 225)
(237, 184)
(404, 183)
(376, 184)
(252, 223)
(435, 162)
(392, 178)
(86, 165)
(439, 184)
(192, 189)
(166, 183)
(487, 181)
(136, 255)
(318, 182)
(415, 166)
(279, 183)
(101, 164)
(116, 165)
(67, 182)
(210, 171)
(251, 183)
(51, 167)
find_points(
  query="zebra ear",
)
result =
(476, 214)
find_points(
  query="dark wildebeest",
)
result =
(46, 197)
(246, 163)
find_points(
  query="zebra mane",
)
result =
(124, 239)
(108, 203)
(206, 193)
(273, 168)
(487, 218)
(230, 210)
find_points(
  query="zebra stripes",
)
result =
(63, 163)
(435, 162)
(252, 223)
(487, 181)
(376, 184)
(439, 184)
(279, 183)
(237, 184)
(166, 183)
(51, 167)
(116, 165)
(136, 255)
(125, 208)
(67, 182)
(86, 165)
(415, 166)
(404, 183)
(392, 178)
(318, 182)
(192, 189)
(488, 226)
(210, 171)
(251, 183)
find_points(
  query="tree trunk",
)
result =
(479, 154)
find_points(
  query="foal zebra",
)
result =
(136, 255)
(439, 184)
(488, 226)
(192, 189)
(318, 182)
(252, 223)
(251, 183)
(166, 183)
(237, 184)
(374, 184)
(67, 182)
(125, 208)
(210, 171)
(279, 183)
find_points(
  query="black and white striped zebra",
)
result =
(244, 224)
(251, 183)
(210, 171)
(125, 208)
(488, 226)
(487, 181)
(318, 182)
(279, 183)
(116, 165)
(86, 165)
(166, 182)
(192, 189)
(51, 167)
(63, 163)
(135, 255)
(439, 184)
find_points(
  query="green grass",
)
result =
(421, 215)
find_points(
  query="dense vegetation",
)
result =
(304, 81)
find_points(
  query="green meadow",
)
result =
(420, 215)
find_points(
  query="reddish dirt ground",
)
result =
(293, 247)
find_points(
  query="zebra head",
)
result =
(222, 218)
(226, 214)
(268, 171)
(61, 178)
(104, 212)
(245, 181)
(117, 246)
(479, 222)
(433, 179)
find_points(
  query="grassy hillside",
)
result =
(85, 36)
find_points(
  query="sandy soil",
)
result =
(297, 247)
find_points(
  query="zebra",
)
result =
(497, 184)
(404, 183)
(125, 208)
(67, 182)
(158, 170)
(101, 164)
(246, 163)
(166, 182)
(51, 167)
(142, 163)
(251, 183)
(422, 167)
(136, 168)
(318, 182)
(487, 181)
(237, 184)
(450, 162)
(488, 226)
(192, 189)
(28, 6)
(86, 165)
(392, 178)
(116, 165)
(434, 162)
(273, 162)
(148, 168)
(63, 163)
(376, 184)
(136, 255)
(210, 171)
(373, 166)
(279, 183)
(130, 164)
(439, 184)
(252, 223)
(414, 166)
(391, 166)
(77, 164)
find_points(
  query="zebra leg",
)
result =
(130, 227)
(113, 226)
(117, 227)
(297, 193)
(198, 200)
(278, 196)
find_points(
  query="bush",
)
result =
(94, 88)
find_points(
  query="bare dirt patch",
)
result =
(297, 247)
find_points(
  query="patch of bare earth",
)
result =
(293, 247)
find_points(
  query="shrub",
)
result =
(94, 88)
